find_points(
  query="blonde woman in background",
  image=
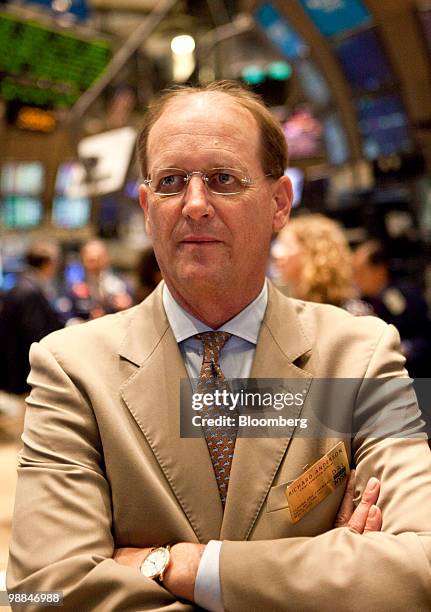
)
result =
(313, 262)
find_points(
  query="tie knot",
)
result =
(213, 343)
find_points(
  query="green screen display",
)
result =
(43, 67)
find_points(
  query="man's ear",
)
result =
(143, 203)
(283, 196)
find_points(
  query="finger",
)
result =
(345, 510)
(369, 497)
(374, 520)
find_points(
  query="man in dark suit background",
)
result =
(401, 305)
(26, 315)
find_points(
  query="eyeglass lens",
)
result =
(222, 181)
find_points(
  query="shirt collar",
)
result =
(246, 324)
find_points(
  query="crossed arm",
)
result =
(180, 577)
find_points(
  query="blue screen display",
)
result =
(364, 62)
(79, 8)
(383, 125)
(70, 213)
(337, 148)
(21, 212)
(280, 33)
(336, 16)
(313, 83)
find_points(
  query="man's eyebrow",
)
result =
(220, 162)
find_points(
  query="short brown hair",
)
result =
(272, 141)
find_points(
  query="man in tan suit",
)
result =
(104, 475)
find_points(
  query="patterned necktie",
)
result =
(220, 440)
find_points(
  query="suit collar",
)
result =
(148, 324)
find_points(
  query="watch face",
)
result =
(155, 563)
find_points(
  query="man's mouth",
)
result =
(201, 240)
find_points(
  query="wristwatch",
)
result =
(156, 563)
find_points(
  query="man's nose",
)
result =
(196, 201)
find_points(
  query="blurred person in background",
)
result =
(313, 262)
(401, 305)
(148, 274)
(27, 315)
(101, 291)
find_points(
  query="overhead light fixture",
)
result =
(279, 71)
(183, 44)
(183, 60)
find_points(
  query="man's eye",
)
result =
(170, 183)
(172, 179)
(224, 182)
(224, 178)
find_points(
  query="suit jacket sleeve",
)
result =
(62, 537)
(340, 570)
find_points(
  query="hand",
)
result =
(367, 516)
(180, 576)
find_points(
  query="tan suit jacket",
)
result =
(103, 467)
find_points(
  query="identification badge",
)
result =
(315, 484)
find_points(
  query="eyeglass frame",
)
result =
(246, 181)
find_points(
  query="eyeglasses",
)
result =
(221, 181)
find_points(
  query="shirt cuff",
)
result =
(207, 585)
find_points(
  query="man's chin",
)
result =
(199, 275)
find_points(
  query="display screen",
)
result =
(383, 125)
(43, 67)
(71, 180)
(313, 83)
(337, 148)
(70, 213)
(79, 8)
(336, 16)
(280, 33)
(304, 135)
(20, 212)
(24, 178)
(296, 176)
(364, 62)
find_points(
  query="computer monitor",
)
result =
(383, 125)
(333, 18)
(71, 180)
(364, 62)
(337, 148)
(313, 83)
(303, 133)
(70, 213)
(22, 178)
(296, 175)
(21, 212)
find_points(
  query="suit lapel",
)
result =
(256, 460)
(152, 395)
